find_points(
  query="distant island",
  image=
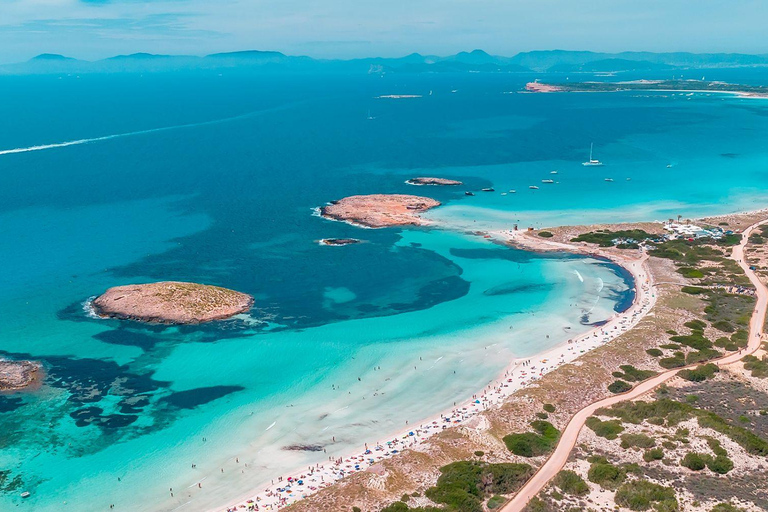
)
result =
(757, 91)
(475, 61)
(171, 302)
(433, 181)
(380, 210)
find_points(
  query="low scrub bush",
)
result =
(608, 429)
(606, 475)
(642, 495)
(637, 441)
(569, 482)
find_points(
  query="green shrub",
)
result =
(740, 337)
(530, 444)
(699, 356)
(549, 408)
(496, 502)
(608, 429)
(720, 464)
(527, 444)
(606, 475)
(752, 443)
(463, 485)
(672, 362)
(397, 506)
(545, 234)
(654, 352)
(653, 454)
(727, 344)
(696, 325)
(700, 373)
(569, 482)
(758, 367)
(537, 505)
(637, 441)
(632, 374)
(606, 238)
(639, 411)
(619, 386)
(724, 325)
(726, 507)
(691, 273)
(694, 461)
(542, 415)
(696, 340)
(693, 290)
(642, 495)
(479, 453)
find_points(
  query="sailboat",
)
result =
(592, 162)
(370, 117)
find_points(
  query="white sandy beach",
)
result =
(291, 487)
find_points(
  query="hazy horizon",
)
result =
(344, 29)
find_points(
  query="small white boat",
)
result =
(552, 172)
(513, 191)
(592, 161)
(547, 181)
(533, 187)
(25, 494)
(489, 189)
(608, 179)
(629, 179)
(503, 193)
(669, 166)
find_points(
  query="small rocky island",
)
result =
(380, 210)
(15, 375)
(171, 302)
(336, 242)
(442, 182)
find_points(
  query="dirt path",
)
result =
(559, 457)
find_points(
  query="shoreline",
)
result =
(518, 374)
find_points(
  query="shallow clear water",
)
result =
(227, 199)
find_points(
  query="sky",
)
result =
(92, 29)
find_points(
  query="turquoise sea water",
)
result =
(226, 198)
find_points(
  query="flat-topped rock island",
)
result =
(171, 302)
(442, 182)
(16, 375)
(380, 210)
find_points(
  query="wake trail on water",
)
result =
(77, 142)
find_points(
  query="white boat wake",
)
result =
(78, 142)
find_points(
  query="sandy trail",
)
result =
(570, 434)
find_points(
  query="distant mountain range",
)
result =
(562, 61)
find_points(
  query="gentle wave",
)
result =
(88, 308)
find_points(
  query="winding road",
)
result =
(570, 434)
